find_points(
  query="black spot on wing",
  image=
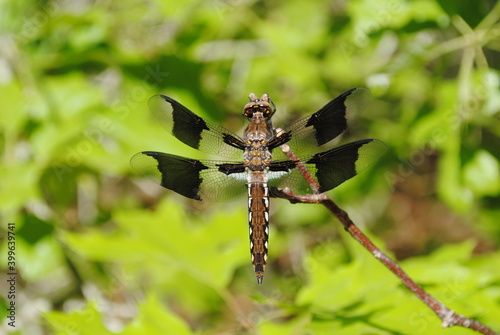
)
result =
(339, 164)
(329, 168)
(193, 130)
(315, 130)
(176, 173)
(187, 126)
(282, 166)
(206, 180)
(233, 141)
(231, 168)
(279, 140)
(330, 121)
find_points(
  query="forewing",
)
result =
(327, 123)
(205, 180)
(193, 130)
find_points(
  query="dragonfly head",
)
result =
(263, 105)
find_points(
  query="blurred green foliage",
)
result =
(102, 251)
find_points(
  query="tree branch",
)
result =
(449, 317)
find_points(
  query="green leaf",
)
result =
(208, 251)
(333, 288)
(153, 319)
(86, 322)
(295, 326)
(472, 12)
(482, 175)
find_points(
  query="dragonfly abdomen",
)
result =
(258, 220)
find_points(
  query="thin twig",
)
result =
(449, 317)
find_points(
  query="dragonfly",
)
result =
(254, 163)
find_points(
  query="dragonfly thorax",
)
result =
(257, 159)
(257, 155)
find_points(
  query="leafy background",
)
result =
(101, 251)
